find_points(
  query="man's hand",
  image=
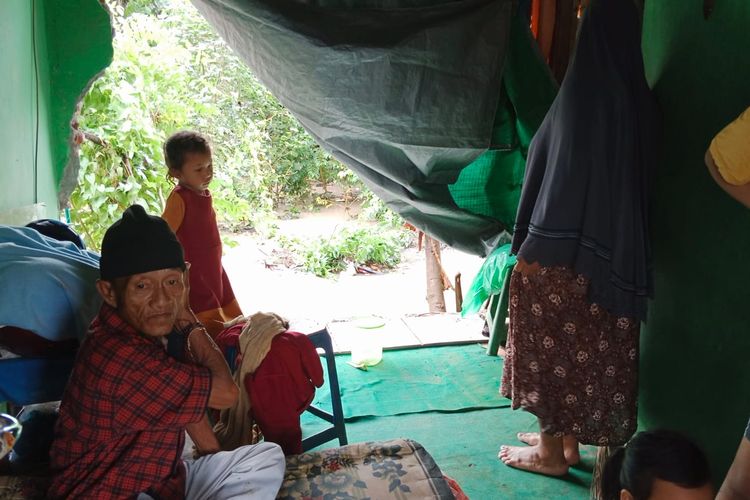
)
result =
(203, 436)
(204, 352)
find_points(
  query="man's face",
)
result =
(149, 302)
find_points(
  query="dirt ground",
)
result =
(261, 283)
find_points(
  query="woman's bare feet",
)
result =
(534, 459)
(570, 445)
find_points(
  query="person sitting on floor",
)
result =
(128, 403)
(656, 465)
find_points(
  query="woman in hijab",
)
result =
(579, 289)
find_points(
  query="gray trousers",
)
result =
(252, 471)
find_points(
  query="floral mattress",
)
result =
(398, 468)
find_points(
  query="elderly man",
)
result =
(128, 403)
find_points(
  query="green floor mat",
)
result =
(446, 399)
(450, 378)
(465, 447)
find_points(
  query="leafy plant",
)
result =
(171, 71)
(375, 209)
(371, 247)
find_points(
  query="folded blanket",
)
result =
(48, 286)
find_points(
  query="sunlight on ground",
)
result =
(309, 301)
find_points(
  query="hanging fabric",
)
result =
(584, 203)
(404, 92)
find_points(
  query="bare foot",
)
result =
(530, 438)
(530, 459)
(570, 445)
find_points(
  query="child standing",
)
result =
(189, 212)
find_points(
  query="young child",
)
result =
(657, 465)
(189, 212)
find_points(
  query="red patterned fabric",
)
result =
(568, 361)
(123, 414)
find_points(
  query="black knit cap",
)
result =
(139, 243)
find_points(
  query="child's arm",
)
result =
(728, 158)
(174, 211)
(740, 193)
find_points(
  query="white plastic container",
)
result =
(367, 353)
(367, 350)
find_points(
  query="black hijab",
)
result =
(584, 199)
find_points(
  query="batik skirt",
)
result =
(568, 361)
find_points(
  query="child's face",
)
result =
(196, 173)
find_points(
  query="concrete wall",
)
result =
(695, 360)
(49, 51)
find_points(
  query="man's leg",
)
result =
(253, 471)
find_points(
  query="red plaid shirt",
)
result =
(123, 415)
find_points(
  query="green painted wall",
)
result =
(46, 181)
(82, 48)
(72, 41)
(17, 108)
(695, 359)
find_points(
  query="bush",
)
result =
(373, 247)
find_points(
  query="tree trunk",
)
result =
(435, 297)
(459, 293)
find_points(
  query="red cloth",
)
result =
(121, 428)
(458, 493)
(199, 235)
(228, 340)
(26, 343)
(282, 387)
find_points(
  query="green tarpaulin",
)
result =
(449, 378)
(407, 94)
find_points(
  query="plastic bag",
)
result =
(489, 279)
